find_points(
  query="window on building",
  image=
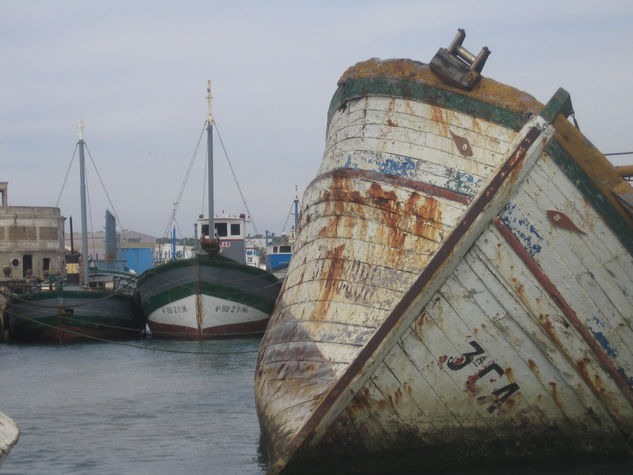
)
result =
(284, 249)
(235, 229)
(46, 264)
(221, 229)
(27, 264)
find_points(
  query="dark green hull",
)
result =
(69, 315)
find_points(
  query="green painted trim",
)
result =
(61, 293)
(210, 261)
(592, 193)
(97, 270)
(213, 290)
(390, 87)
(559, 103)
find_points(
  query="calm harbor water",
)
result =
(104, 408)
(94, 408)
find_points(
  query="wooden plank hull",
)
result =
(207, 297)
(459, 281)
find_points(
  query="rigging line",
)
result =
(184, 183)
(182, 238)
(92, 232)
(59, 197)
(71, 320)
(103, 186)
(131, 345)
(217, 130)
(183, 334)
(617, 153)
(287, 218)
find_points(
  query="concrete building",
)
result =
(31, 239)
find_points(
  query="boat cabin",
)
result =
(231, 231)
(279, 251)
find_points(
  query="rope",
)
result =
(183, 334)
(104, 188)
(573, 116)
(92, 233)
(59, 197)
(182, 186)
(235, 178)
(188, 173)
(287, 218)
(129, 345)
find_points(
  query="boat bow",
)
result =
(403, 258)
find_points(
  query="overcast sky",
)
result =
(136, 72)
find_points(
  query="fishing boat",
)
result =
(279, 249)
(63, 312)
(9, 435)
(461, 286)
(83, 303)
(215, 293)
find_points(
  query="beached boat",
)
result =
(84, 303)
(462, 283)
(215, 293)
(9, 435)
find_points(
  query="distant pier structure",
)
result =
(31, 245)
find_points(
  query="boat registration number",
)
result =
(231, 308)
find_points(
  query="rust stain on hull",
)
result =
(442, 254)
(572, 318)
(324, 379)
(397, 182)
(331, 276)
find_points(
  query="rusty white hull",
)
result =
(9, 435)
(201, 314)
(462, 284)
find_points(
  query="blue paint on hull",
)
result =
(521, 227)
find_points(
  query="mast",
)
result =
(195, 239)
(84, 220)
(296, 203)
(210, 159)
(173, 244)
